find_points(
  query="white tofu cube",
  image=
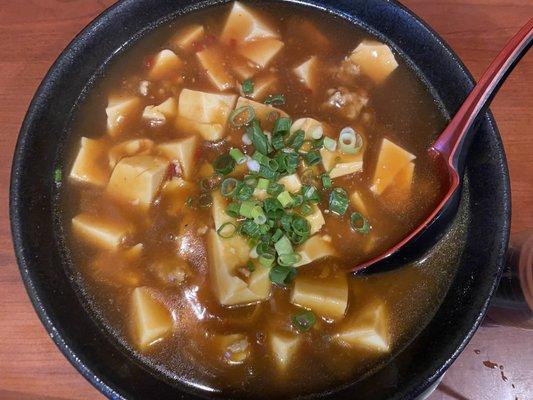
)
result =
(166, 65)
(357, 202)
(210, 132)
(100, 232)
(375, 60)
(307, 72)
(340, 164)
(315, 219)
(292, 183)
(309, 126)
(284, 348)
(368, 330)
(88, 166)
(121, 113)
(327, 297)
(158, 115)
(136, 180)
(243, 25)
(188, 36)
(314, 248)
(261, 51)
(243, 68)
(212, 60)
(182, 151)
(129, 148)
(262, 111)
(151, 319)
(391, 160)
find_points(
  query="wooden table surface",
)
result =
(33, 32)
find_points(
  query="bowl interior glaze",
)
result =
(43, 262)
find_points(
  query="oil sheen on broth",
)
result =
(228, 171)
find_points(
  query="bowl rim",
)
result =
(21, 148)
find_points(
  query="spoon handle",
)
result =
(452, 138)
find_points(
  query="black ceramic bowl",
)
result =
(97, 355)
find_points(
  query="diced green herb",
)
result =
(275, 100)
(282, 275)
(248, 86)
(338, 201)
(227, 230)
(304, 321)
(359, 223)
(224, 164)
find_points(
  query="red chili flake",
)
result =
(174, 170)
(148, 62)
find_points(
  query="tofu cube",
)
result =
(315, 219)
(136, 180)
(184, 152)
(129, 148)
(261, 110)
(118, 268)
(284, 348)
(213, 61)
(151, 320)
(243, 68)
(358, 203)
(375, 60)
(100, 232)
(210, 132)
(88, 166)
(122, 112)
(188, 36)
(292, 183)
(368, 330)
(261, 51)
(158, 115)
(327, 297)
(314, 248)
(243, 26)
(391, 160)
(166, 65)
(340, 164)
(307, 72)
(308, 125)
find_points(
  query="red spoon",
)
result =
(450, 149)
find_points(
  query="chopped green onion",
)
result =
(251, 181)
(297, 139)
(263, 248)
(233, 210)
(260, 158)
(326, 181)
(286, 221)
(318, 144)
(258, 137)
(313, 158)
(285, 199)
(258, 215)
(266, 259)
(282, 275)
(275, 100)
(227, 230)
(246, 208)
(224, 164)
(310, 193)
(349, 141)
(297, 239)
(283, 246)
(291, 163)
(300, 226)
(243, 192)
(211, 182)
(250, 266)
(306, 210)
(248, 86)
(282, 126)
(330, 144)
(251, 229)
(304, 321)
(277, 235)
(58, 176)
(237, 155)
(277, 141)
(263, 183)
(359, 223)
(338, 201)
(245, 113)
(273, 165)
(267, 173)
(228, 187)
(298, 200)
(289, 259)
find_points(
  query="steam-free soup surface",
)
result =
(228, 172)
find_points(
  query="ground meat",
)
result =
(347, 73)
(345, 103)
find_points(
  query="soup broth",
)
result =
(226, 174)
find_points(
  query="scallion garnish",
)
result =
(233, 210)
(326, 181)
(228, 187)
(242, 116)
(277, 141)
(237, 155)
(251, 181)
(296, 140)
(338, 201)
(330, 144)
(247, 208)
(258, 215)
(224, 164)
(349, 141)
(312, 158)
(250, 266)
(248, 86)
(289, 259)
(275, 100)
(277, 235)
(267, 173)
(285, 199)
(317, 132)
(267, 259)
(359, 223)
(300, 226)
(310, 193)
(283, 246)
(258, 137)
(282, 126)
(282, 275)
(263, 183)
(227, 230)
(306, 210)
(304, 321)
(243, 192)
